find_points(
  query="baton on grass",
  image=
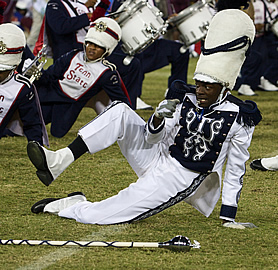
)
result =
(178, 243)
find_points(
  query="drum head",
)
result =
(130, 8)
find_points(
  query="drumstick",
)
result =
(115, 13)
(173, 9)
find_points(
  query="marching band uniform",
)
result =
(19, 110)
(167, 171)
(183, 157)
(67, 85)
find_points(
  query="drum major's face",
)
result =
(207, 93)
(93, 51)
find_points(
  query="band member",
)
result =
(82, 78)
(19, 111)
(180, 153)
(65, 27)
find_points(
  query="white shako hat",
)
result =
(229, 36)
(104, 32)
(12, 44)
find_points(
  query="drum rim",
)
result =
(182, 14)
(130, 12)
(140, 48)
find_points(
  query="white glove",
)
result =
(166, 108)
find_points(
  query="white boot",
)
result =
(49, 164)
(56, 206)
(141, 105)
(246, 90)
(270, 164)
(267, 85)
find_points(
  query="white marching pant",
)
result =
(120, 123)
(162, 180)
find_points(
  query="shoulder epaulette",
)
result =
(249, 113)
(108, 64)
(20, 78)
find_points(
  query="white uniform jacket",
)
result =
(202, 140)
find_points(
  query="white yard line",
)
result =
(65, 252)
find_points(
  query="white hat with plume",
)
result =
(229, 37)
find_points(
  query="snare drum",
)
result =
(141, 24)
(193, 22)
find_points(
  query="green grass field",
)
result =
(104, 174)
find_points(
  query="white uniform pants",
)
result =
(162, 180)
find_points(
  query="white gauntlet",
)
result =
(166, 108)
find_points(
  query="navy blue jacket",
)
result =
(61, 28)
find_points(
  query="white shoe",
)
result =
(141, 105)
(270, 164)
(56, 206)
(49, 164)
(246, 90)
(267, 85)
(39, 206)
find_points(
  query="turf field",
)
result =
(104, 174)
